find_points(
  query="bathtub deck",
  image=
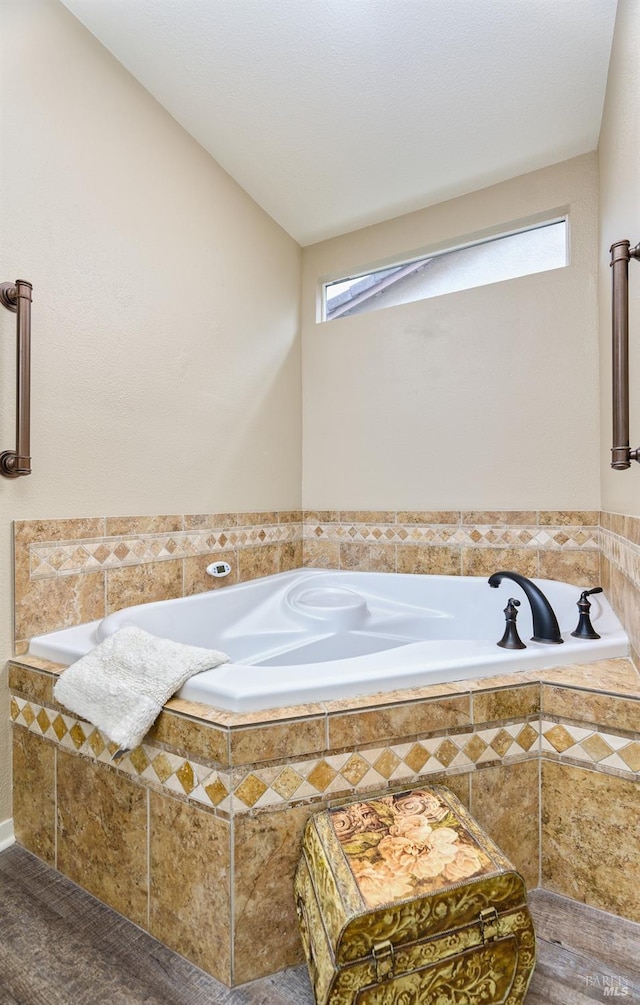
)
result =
(59, 945)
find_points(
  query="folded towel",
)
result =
(122, 684)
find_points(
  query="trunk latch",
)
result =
(489, 924)
(383, 957)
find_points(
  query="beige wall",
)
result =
(485, 398)
(619, 163)
(166, 371)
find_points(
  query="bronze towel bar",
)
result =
(621, 255)
(16, 297)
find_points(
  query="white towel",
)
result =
(122, 684)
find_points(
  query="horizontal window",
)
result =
(507, 256)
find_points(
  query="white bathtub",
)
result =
(313, 635)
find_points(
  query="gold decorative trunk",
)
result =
(404, 900)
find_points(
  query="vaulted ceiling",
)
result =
(334, 114)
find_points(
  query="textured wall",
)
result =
(166, 369)
(619, 166)
(486, 398)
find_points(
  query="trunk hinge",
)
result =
(489, 924)
(382, 953)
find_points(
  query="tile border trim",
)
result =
(52, 559)
(337, 775)
(552, 530)
(533, 537)
(622, 553)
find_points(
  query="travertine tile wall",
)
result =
(70, 571)
(551, 544)
(224, 802)
(589, 832)
(620, 569)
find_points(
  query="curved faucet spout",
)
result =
(545, 623)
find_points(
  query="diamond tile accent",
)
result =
(321, 776)
(596, 747)
(527, 737)
(501, 742)
(287, 782)
(446, 752)
(355, 769)
(417, 757)
(475, 747)
(101, 553)
(96, 741)
(28, 715)
(216, 791)
(78, 735)
(186, 777)
(138, 759)
(631, 755)
(56, 557)
(250, 790)
(162, 767)
(559, 738)
(387, 763)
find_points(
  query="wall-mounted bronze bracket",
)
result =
(16, 297)
(621, 255)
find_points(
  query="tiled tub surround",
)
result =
(557, 544)
(620, 570)
(76, 570)
(195, 835)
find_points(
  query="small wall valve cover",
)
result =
(219, 569)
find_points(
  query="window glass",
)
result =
(508, 256)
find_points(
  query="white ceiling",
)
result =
(334, 114)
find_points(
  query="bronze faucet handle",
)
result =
(511, 639)
(585, 629)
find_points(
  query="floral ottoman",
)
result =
(404, 900)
